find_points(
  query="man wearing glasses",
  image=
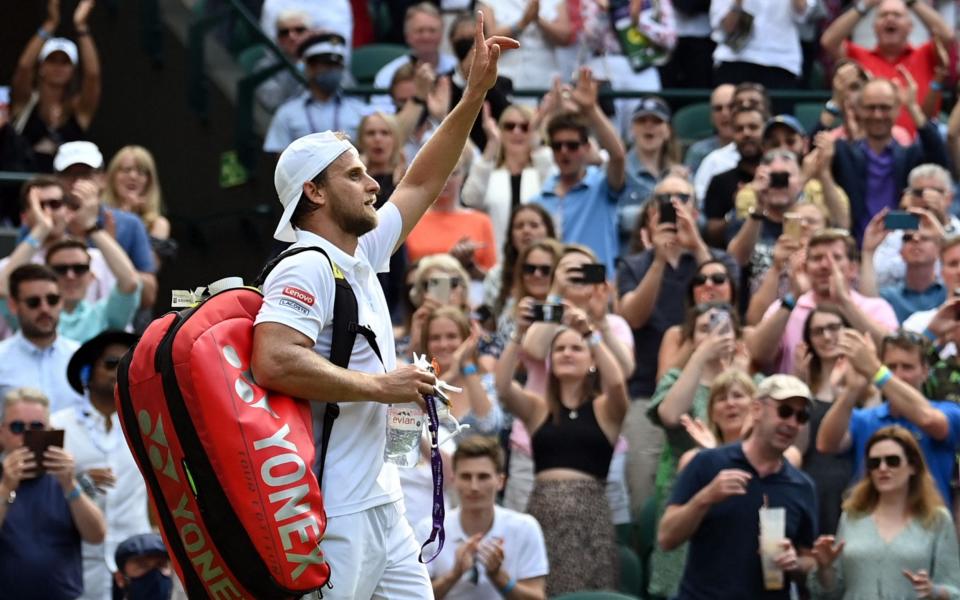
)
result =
(43, 518)
(292, 26)
(36, 355)
(104, 465)
(715, 502)
(899, 373)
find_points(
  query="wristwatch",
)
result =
(862, 8)
(832, 108)
(756, 215)
(11, 497)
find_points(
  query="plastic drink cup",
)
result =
(773, 526)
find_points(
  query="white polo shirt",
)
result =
(524, 552)
(299, 293)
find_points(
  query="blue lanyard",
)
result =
(336, 114)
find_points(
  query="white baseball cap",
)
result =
(77, 153)
(303, 160)
(59, 45)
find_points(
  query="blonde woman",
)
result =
(133, 185)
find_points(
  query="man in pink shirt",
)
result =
(831, 267)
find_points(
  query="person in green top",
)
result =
(714, 330)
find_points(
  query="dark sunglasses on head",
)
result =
(284, 32)
(52, 204)
(77, 268)
(18, 427)
(785, 411)
(667, 197)
(892, 460)
(542, 270)
(569, 145)
(34, 301)
(714, 278)
(510, 126)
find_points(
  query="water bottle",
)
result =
(404, 427)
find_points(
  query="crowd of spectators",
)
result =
(703, 330)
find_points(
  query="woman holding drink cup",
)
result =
(896, 539)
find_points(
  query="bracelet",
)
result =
(32, 241)
(594, 338)
(505, 590)
(43, 34)
(73, 495)
(882, 376)
(861, 7)
(936, 86)
(788, 301)
(468, 369)
(929, 335)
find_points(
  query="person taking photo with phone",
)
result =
(38, 491)
(574, 426)
(650, 284)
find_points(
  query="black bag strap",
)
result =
(346, 326)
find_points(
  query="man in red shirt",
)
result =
(892, 27)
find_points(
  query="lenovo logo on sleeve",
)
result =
(298, 295)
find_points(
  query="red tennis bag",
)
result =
(228, 464)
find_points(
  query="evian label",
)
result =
(299, 295)
(404, 419)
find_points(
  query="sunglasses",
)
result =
(542, 270)
(820, 331)
(913, 236)
(665, 198)
(34, 302)
(568, 145)
(510, 126)
(52, 204)
(18, 427)
(891, 460)
(281, 33)
(77, 268)
(454, 283)
(785, 411)
(111, 362)
(714, 278)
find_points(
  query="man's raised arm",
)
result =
(427, 175)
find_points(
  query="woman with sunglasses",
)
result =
(512, 168)
(46, 104)
(574, 425)
(528, 223)
(713, 330)
(822, 367)
(532, 277)
(712, 283)
(896, 539)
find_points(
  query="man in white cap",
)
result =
(716, 498)
(328, 200)
(322, 106)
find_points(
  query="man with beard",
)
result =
(831, 267)
(748, 124)
(43, 518)
(715, 500)
(873, 170)
(323, 106)
(36, 356)
(893, 52)
(899, 373)
(104, 463)
(328, 200)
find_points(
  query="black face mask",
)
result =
(153, 585)
(461, 48)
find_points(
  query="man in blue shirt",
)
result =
(322, 106)
(715, 502)
(43, 518)
(920, 289)
(899, 376)
(583, 198)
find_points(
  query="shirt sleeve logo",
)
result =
(299, 295)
